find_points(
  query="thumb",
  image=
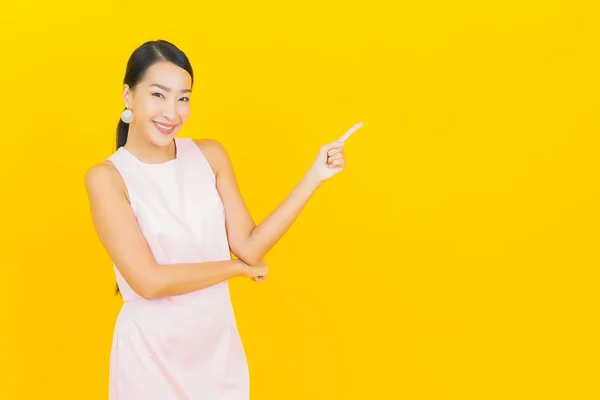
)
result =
(333, 145)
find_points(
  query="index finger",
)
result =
(349, 132)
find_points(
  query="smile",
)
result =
(164, 129)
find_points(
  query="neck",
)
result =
(149, 152)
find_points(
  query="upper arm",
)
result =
(117, 227)
(239, 222)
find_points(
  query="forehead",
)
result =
(168, 74)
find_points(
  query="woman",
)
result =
(168, 212)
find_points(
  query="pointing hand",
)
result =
(330, 160)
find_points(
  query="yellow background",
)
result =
(455, 258)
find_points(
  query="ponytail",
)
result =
(122, 131)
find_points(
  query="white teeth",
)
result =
(166, 128)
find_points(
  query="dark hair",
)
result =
(140, 60)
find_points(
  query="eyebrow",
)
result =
(169, 89)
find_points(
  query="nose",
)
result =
(169, 111)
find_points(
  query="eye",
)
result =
(156, 94)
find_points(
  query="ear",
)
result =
(127, 95)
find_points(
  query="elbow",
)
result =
(251, 260)
(150, 289)
(148, 293)
(247, 251)
(153, 291)
(146, 281)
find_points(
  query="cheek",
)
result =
(149, 109)
(154, 108)
(184, 111)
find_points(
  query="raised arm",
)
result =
(120, 235)
(250, 242)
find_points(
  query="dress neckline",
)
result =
(171, 161)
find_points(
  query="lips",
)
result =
(165, 129)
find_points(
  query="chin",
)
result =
(161, 139)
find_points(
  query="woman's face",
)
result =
(160, 102)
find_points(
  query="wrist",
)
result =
(312, 179)
(240, 268)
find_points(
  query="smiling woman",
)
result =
(146, 221)
(169, 213)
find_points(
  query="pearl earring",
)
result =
(127, 115)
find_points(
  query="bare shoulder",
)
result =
(214, 151)
(103, 177)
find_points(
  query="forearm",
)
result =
(176, 279)
(265, 235)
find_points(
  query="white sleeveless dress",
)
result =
(184, 347)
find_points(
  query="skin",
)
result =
(115, 222)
